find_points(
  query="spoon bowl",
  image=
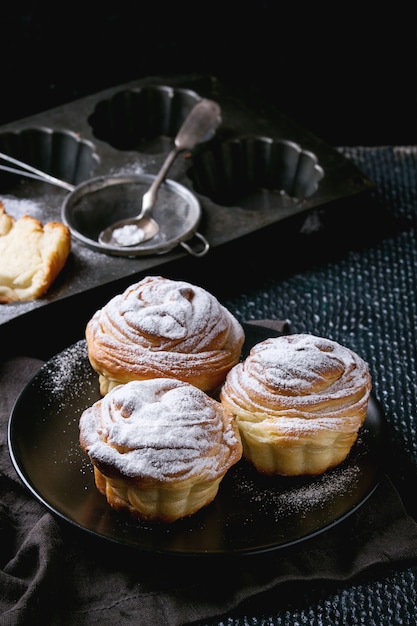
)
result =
(203, 118)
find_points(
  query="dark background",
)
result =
(348, 77)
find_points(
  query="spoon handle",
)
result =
(203, 118)
(149, 197)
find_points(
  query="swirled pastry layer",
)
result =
(160, 447)
(160, 327)
(299, 401)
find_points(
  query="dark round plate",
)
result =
(251, 513)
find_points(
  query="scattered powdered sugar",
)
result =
(280, 496)
(132, 168)
(67, 373)
(18, 207)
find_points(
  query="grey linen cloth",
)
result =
(55, 574)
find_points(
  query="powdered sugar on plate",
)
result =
(279, 496)
(317, 493)
(66, 373)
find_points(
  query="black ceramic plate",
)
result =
(251, 513)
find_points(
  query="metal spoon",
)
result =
(203, 118)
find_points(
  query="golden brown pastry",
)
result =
(31, 256)
(160, 327)
(299, 402)
(159, 448)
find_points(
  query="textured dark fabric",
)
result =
(356, 283)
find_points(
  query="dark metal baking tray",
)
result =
(85, 132)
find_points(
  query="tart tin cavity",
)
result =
(143, 119)
(235, 171)
(60, 153)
